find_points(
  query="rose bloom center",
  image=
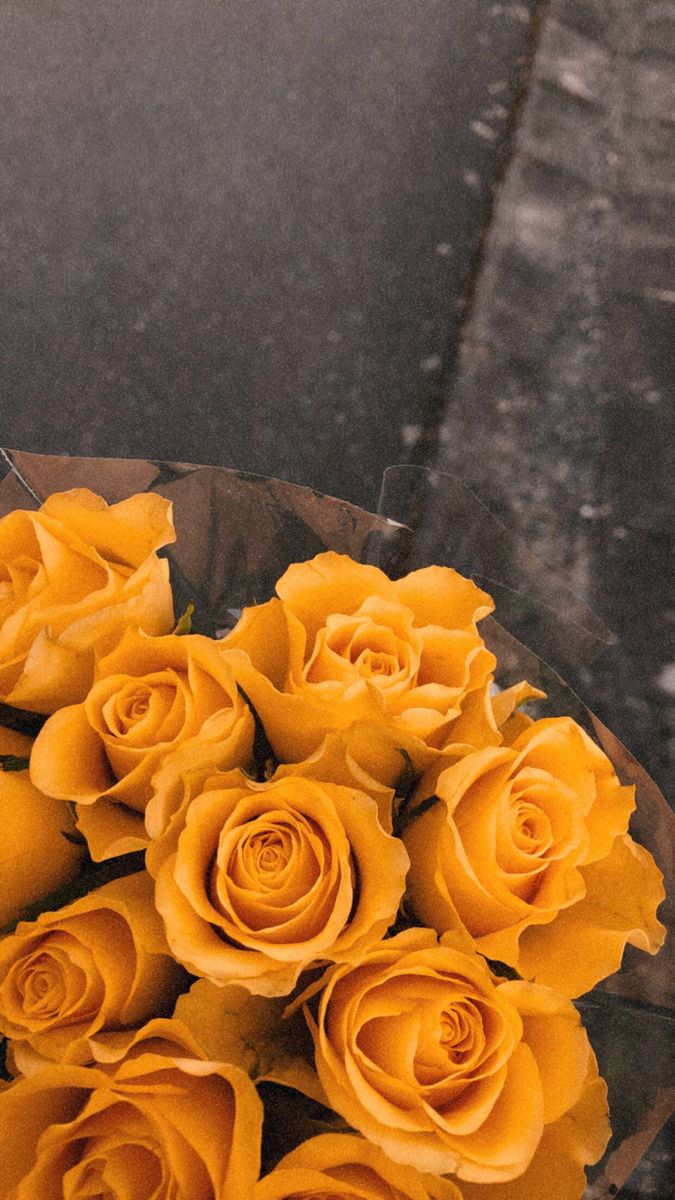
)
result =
(271, 869)
(136, 703)
(49, 985)
(362, 646)
(446, 1038)
(42, 986)
(265, 854)
(112, 1167)
(531, 828)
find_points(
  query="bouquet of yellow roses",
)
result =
(298, 887)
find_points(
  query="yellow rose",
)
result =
(36, 857)
(344, 646)
(568, 1145)
(159, 1121)
(152, 698)
(99, 963)
(527, 852)
(73, 577)
(340, 1164)
(264, 879)
(446, 1068)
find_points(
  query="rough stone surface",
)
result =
(558, 411)
(238, 233)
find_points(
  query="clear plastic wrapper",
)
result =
(237, 533)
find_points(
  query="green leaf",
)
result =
(4, 1073)
(405, 819)
(503, 970)
(21, 720)
(405, 786)
(266, 761)
(407, 779)
(185, 622)
(291, 1118)
(76, 839)
(13, 762)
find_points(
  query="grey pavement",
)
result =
(240, 232)
(559, 401)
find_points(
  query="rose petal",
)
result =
(623, 892)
